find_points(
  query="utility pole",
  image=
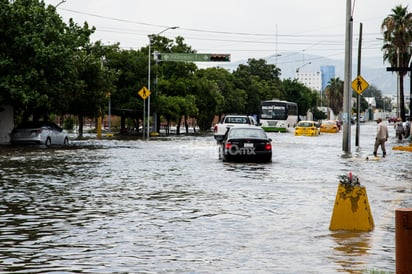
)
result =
(347, 95)
(358, 95)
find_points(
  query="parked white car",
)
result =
(40, 133)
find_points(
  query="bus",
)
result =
(277, 115)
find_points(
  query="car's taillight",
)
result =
(228, 146)
(36, 131)
(268, 147)
(215, 129)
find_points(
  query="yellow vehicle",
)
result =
(329, 126)
(307, 128)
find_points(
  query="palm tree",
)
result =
(334, 94)
(397, 37)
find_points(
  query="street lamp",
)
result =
(61, 2)
(148, 75)
(298, 69)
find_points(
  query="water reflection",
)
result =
(351, 250)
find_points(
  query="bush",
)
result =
(68, 123)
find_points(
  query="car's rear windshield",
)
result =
(237, 120)
(247, 133)
(31, 124)
(305, 124)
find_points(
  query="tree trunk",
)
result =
(80, 133)
(178, 128)
(122, 124)
(186, 125)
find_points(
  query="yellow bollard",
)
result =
(351, 210)
(99, 127)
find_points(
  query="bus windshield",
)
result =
(274, 112)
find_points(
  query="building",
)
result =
(316, 80)
(328, 72)
(312, 80)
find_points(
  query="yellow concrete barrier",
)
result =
(403, 148)
(351, 210)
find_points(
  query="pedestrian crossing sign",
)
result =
(144, 93)
(359, 84)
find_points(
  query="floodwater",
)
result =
(170, 206)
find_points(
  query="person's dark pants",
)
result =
(381, 143)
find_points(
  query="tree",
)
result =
(40, 59)
(397, 36)
(233, 99)
(131, 69)
(372, 91)
(89, 99)
(334, 94)
(294, 91)
(207, 97)
(259, 80)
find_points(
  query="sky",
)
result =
(243, 28)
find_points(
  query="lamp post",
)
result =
(148, 75)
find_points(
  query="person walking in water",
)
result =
(381, 137)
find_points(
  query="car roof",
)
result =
(34, 124)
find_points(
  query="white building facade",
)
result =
(312, 80)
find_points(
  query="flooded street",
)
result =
(168, 205)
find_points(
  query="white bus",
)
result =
(278, 116)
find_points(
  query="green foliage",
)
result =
(397, 36)
(318, 114)
(68, 123)
(259, 81)
(294, 91)
(38, 68)
(334, 95)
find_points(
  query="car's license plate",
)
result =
(248, 145)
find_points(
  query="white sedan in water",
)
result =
(40, 133)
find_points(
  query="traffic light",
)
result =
(220, 57)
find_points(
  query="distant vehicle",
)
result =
(361, 119)
(246, 144)
(392, 119)
(40, 133)
(232, 120)
(329, 126)
(278, 116)
(307, 128)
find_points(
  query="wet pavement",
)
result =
(169, 205)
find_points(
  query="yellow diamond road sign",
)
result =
(144, 93)
(359, 84)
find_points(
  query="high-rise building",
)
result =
(328, 72)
